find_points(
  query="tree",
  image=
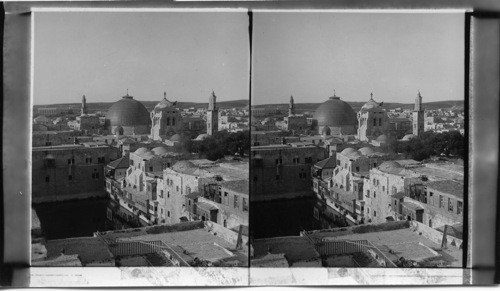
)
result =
(432, 144)
(222, 143)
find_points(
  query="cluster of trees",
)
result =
(221, 144)
(449, 144)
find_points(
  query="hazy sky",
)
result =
(101, 54)
(393, 55)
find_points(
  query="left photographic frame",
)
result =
(138, 144)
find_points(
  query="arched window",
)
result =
(173, 120)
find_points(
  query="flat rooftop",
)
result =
(68, 147)
(235, 174)
(441, 170)
(295, 248)
(191, 237)
(396, 241)
(89, 249)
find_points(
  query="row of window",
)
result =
(450, 204)
(161, 194)
(375, 122)
(356, 168)
(368, 212)
(161, 210)
(70, 177)
(88, 160)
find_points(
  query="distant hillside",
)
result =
(104, 106)
(459, 104)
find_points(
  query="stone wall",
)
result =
(226, 234)
(435, 235)
(40, 139)
(73, 173)
(277, 175)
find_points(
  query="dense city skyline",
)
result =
(394, 55)
(102, 54)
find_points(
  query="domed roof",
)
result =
(182, 166)
(127, 112)
(370, 104)
(335, 112)
(164, 103)
(408, 137)
(202, 136)
(175, 137)
(366, 151)
(354, 155)
(382, 138)
(390, 166)
(160, 150)
(148, 154)
(347, 151)
(141, 151)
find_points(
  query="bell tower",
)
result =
(291, 107)
(84, 106)
(418, 116)
(212, 115)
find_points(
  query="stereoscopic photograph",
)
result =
(140, 139)
(358, 146)
(170, 145)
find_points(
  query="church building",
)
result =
(89, 124)
(293, 122)
(372, 120)
(166, 120)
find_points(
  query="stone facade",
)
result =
(54, 138)
(344, 185)
(89, 124)
(406, 193)
(295, 123)
(263, 138)
(378, 188)
(435, 207)
(69, 172)
(280, 171)
(166, 120)
(372, 121)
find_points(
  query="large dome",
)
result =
(127, 112)
(335, 112)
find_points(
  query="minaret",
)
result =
(84, 105)
(418, 116)
(291, 107)
(212, 115)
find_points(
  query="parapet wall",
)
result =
(226, 234)
(364, 228)
(435, 235)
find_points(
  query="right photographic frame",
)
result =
(359, 147)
